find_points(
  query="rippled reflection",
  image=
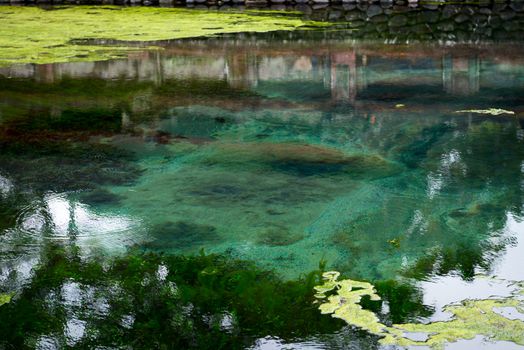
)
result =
(56, 218)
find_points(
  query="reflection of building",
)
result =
(343, 76)
(348, 77)
(241, 69)
(460, 75)
(343, 69)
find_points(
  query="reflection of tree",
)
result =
(485, 170)
(149, 301)
(453, 221)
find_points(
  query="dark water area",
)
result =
(144, 201)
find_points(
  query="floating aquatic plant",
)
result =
(491, 111)
(344, 304)
(470, 318)
(67, 34)
(5, 298)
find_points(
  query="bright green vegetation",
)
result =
(341, 299)
(35, 35)
(5, 298)
(345, 303)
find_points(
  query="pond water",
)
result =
(284, 149)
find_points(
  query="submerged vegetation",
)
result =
(67, 34)
(156, 301)
(149, 300)
(341, 299)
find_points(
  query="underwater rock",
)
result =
(162, 137)
(302, 159)
(100, 197)
(278, 236)
(181, 234)
(47, 165)
(416, 152)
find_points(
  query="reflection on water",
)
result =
(283, 153)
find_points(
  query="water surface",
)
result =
(282, 149)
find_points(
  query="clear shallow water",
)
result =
(286, 153)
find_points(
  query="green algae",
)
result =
(5, 298)
(35, 35)
(470, 318)
(345, 303)
(341, 299)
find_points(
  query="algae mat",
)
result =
(468, 319)
(35, 35)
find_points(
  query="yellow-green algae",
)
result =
(470, 318)
(35, 35)
(345, 303)
(5, 298)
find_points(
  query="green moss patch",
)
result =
(5, 298)
(35, 35)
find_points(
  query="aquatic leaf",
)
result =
(5, 298)
(345, 303)
(491, 111)
(395, 242)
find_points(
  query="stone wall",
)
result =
(217, 4)
(384, 19)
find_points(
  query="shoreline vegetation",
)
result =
(36, 35)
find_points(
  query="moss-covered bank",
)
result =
(35, 35)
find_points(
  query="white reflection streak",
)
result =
(6, 186)
(59, 210)
(435, 184)
(69, 219)
(66, 214)
(506, 266)
(448, 161)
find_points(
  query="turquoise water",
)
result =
(361, 155)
